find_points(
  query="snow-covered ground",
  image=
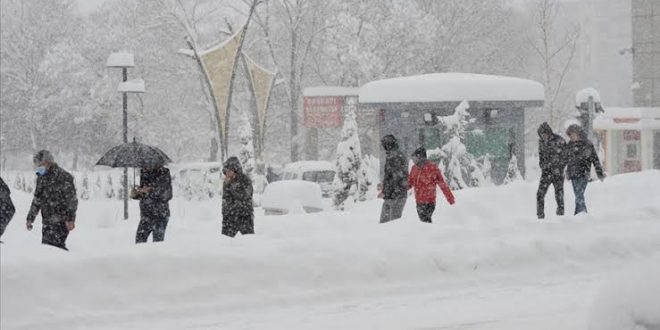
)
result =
(485, 263)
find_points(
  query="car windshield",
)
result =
(319, 176)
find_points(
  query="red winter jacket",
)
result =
(424, 179)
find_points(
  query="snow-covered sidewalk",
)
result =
(485, 263)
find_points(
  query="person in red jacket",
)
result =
(424, 176)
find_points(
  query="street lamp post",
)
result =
(124, 61)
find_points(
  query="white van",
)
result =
(320, 172)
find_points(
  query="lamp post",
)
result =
(124, 61)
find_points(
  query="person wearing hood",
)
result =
(154, 194)
(424, 177)
(552, 160)
(55, 197)
(237, 205)
(581, 154)
(7, 209)
(394, 188)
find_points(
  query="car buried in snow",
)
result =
(320, 172)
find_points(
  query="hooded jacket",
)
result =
(395, 176)
(552, 152)
(55, 196)
(237, 206)
(424, 177)
(581, 155)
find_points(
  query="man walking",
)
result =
(394, 189)
(424, 177)
(581, 155)
(154, 193)
(552, 160)
(55, 197)
(237, 203)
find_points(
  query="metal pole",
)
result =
(125, 125)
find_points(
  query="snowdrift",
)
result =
(108, 282)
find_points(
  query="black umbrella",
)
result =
(134, 154)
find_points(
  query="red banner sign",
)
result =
(322, 111)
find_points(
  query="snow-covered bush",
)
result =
(109, 187)
(512, 171)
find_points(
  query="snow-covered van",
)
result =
(320, 172)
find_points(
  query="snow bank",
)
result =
(300, 263)
(451, 87)
(630, 299)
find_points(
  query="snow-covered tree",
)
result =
(246, 153)
(351, 179)
(460, 167)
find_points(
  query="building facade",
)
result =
(646, 52)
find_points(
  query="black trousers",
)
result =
(151, 226)
(54, 234)
(547, 179)
(231, 228)
(425, 211)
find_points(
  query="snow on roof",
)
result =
(305, 166)
(331, 91)
(616, 118)
(131, 86)
(582, 96)
(451, 87)
(120, 60)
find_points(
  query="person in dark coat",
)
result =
(7, 209)
(552, 160)
(55, 196)
(154, 193)
(237, 206)
(394, 188)
(581, 154)
(424, 177)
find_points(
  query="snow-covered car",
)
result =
(292, 196)
(320, 172)
(197, 180)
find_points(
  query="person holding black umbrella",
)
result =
(237, 207)
(55, 197)
(154, 194)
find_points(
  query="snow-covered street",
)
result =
(485, 263)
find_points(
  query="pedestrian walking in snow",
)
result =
(552, 160)
(424, 177)
(394, 188)
(55, 197)
(154, 194)
(581, 154)
(237, 205)
(7, 209)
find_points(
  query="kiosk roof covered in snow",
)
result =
(451, 87)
